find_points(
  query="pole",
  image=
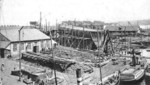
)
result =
(79, 78)
(130, 43)
(54, 65)
(83, 37)
(46, 26)
(56, 31)
(40, 21)
(53, 57)
(99, 57)
(20, 52)
(133, 58)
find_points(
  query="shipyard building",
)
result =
(31, 40)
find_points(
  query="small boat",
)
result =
(132, 74)
(113, 79)
(135, 71)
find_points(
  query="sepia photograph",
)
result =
(74, 42)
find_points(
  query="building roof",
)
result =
(98, 23)
(80, 28)
(134, 22)
(122, 28)
(144, 22)
(27, 33)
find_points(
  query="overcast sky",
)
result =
(20, 12)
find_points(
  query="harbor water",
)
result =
(144, 81)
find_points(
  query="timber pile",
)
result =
(46, 60)
(78, 56)
(67, 59)
(70, 53)
(61, 64)
(84, 68)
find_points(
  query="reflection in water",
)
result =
(145, 81)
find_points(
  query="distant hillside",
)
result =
(133, 22)
(144, 22)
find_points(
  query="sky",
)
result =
(21, 12)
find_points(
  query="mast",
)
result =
(46, 26)
(20, 52)
(40, 21)
(130, 44)
(99, 56)
(53, 56)
(83, 35)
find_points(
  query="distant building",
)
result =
(86, 24)
(32, 40)
(145, 24)
(123, 30)
(98, 25)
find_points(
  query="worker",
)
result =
(1, 83)
(2, 67)
(2, 70)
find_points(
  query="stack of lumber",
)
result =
(70, 53)
(46, 60)
(66, 58)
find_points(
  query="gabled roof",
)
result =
(4, 44)
(27, 33)
(122, 28)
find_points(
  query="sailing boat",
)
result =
(112, 79)
(135, 71)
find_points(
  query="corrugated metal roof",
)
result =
(27, 33)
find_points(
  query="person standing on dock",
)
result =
(2, 70)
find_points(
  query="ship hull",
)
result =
(136, 79)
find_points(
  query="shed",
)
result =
(31, 39)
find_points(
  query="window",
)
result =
(47, 43)
(22, 46)
(42, 46)
(35, 43)
(15, 47)
(29, 46)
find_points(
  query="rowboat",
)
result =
(112, 79)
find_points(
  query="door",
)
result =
(35, 49)
(2, 53)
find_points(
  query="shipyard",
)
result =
(74, 42)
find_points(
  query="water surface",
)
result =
(144, 81)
